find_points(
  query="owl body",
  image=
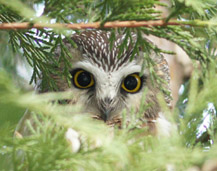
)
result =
(105, 81)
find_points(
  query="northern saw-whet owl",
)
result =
(105, 84)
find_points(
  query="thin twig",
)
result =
(114, 24)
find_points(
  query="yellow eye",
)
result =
(132, 83)
(82, 79)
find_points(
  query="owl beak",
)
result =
(105, 115)
(105, 108)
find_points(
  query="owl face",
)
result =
(105, 93)
(105, 82)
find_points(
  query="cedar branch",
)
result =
(95, 25)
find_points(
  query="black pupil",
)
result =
(84, 79)
(130, 82)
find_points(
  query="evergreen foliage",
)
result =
(127, 149)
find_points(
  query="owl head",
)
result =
(105, 81)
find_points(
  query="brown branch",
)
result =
(114, 24)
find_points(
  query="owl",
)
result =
(105, 82)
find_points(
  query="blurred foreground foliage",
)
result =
(47, 148)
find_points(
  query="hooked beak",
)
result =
(105, 115)
(105, 107)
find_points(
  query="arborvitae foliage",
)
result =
(47, 148)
